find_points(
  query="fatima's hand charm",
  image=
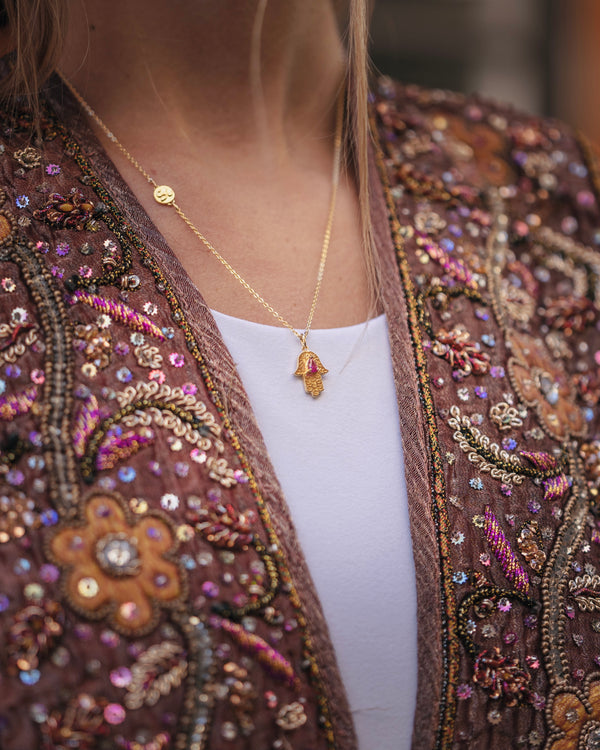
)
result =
(310, 370)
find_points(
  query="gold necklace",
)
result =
(309, 366)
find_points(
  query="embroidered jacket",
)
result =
(153, 594)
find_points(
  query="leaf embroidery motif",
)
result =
(86, 422)
(120, 312)
(157, 671)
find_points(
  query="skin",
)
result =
(249, 156)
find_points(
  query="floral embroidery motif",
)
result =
(66, 212)
(476, 143)
(571, 315)
(505, 417)
(116, 569)
(120, 312)
(35, 632)
(502, 677)
(20, 403)
(95, 344)
(465, 357)
(28, 157)
(542, 384)
(576, 716)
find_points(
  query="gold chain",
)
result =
(165, 195)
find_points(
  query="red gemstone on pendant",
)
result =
(312, 366)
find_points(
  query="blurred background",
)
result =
(541, 55)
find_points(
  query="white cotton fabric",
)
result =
(339, 461)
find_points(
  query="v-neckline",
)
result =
(220, 364)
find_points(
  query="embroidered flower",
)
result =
(148, 356)
(118, 569)
(480, 150)
(576, 718)
(502, 677)
(542, 384)
(504, 416)
(464, 356)
(291, 716)
(94, 343)
(81, 720)
(176, 359)
(571, 314)
(35, 631)
(66, 212)
(28, 157)
(464, 691)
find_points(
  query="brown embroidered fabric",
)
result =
(154, 594)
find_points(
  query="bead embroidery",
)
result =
(516, 261)
(485, 265)
(511, 567)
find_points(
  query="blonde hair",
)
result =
(37, 31)
(360, 133)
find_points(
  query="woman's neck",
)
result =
(208, 71)
(249, 156)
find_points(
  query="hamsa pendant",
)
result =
(310, 370)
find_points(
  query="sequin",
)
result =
(34, 591)
(464, 691)
(124, 375)
(127, 474)
(210, 589)
(114, 713)
(569, 225)
(128, 611)
(169, 501)
(60, 657)
(120, 677)
(118, 554)
(229, 731)
(88, 587)
(22, 566)
(31, 677)
(38, 712)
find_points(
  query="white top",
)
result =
(339, 461)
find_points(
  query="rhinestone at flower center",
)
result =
(117, 554)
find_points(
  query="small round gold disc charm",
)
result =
(164, 194)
